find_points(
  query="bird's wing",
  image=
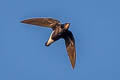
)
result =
(45, 22)
(70, 46)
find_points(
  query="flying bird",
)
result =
(59, 31)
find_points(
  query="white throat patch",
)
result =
(50, 40)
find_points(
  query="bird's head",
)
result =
(66, 26)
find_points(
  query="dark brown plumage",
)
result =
(70, 46)
(44, 22)
(59, 31)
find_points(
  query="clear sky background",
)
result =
(96, 28)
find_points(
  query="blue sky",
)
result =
(96, 28)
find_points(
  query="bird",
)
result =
(59, 31)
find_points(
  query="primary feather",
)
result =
(44, 22)
(70, 46)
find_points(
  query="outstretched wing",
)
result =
(70, 46)
(45, 22)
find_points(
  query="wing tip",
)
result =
(73, 66)
(73, 61)
(24, 21)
